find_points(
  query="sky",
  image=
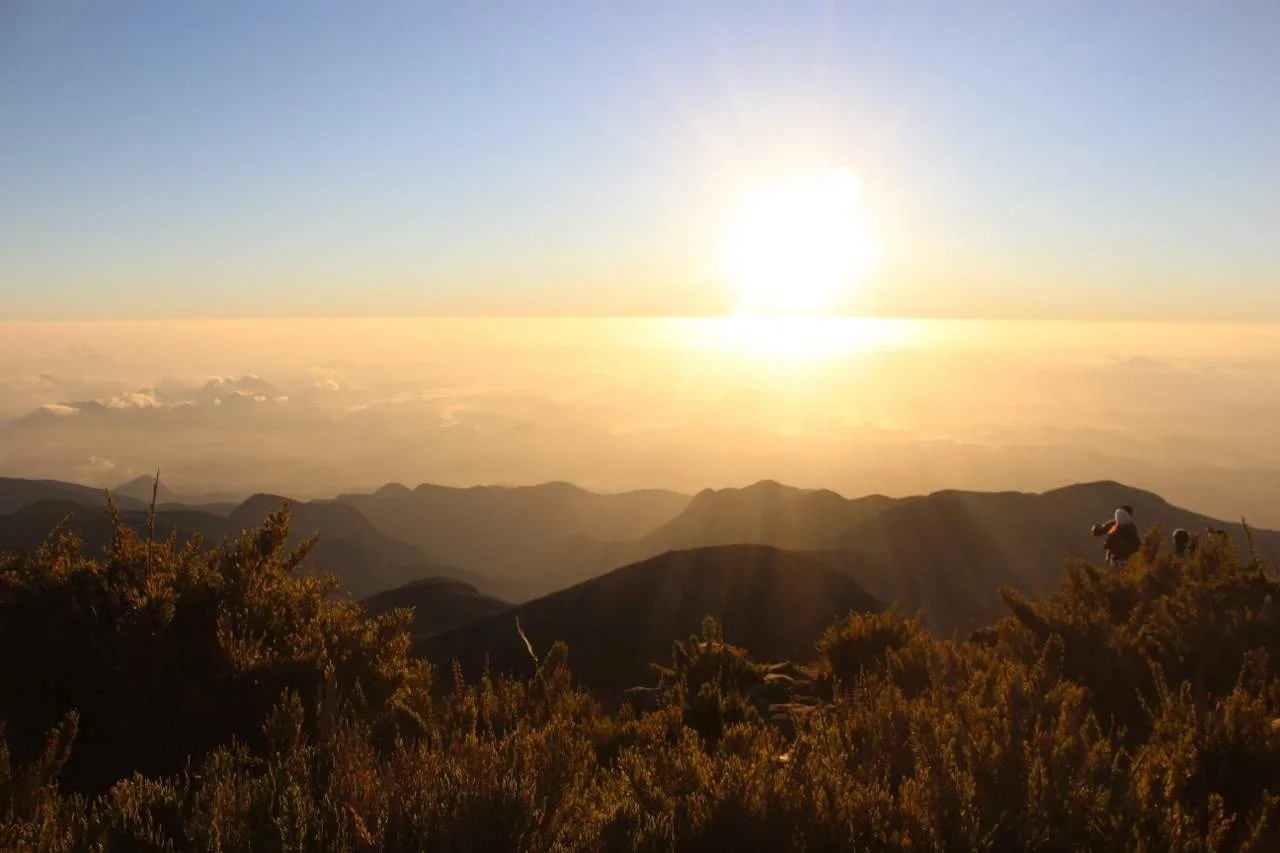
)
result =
(246, 159)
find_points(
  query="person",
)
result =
(1122, 538)
(1182, 544)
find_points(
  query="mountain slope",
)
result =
(767, 513)
(772, 602)
(16, 493)
(364, 560)
(140, 489)
(524, 533)
(31, 525)
(335, 519)
(440, 604)
(948, 553)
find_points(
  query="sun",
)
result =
(799, 247)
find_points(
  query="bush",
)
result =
(1130, 710)
(165, 652)
(877, 644)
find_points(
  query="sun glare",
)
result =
(796, 340)
(800, 247)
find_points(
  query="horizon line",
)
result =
(923, 318)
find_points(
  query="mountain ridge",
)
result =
(364, 560)
(944, 554)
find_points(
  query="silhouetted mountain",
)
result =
(140, 489)
(334, 519)
(31, 525)
(771, 602)
(946, 554)
(223, 509)
(521, 532)
(767, 513)
(370, 561)
(17, 493)
(439, 604)
(394, 490)
(364, 560)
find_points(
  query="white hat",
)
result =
(1123, 518)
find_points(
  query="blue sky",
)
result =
(272, 159)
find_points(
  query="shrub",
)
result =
(1129, 710)
(882, 644)
(166, 652)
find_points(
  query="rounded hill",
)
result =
(773, 603)
(439, 603)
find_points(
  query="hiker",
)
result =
(1182, 544)
(1122, 538)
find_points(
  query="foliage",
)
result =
(885, 644)
(707, 680)
(1131, 709)
(167, 652)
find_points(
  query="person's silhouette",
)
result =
(1122, 538)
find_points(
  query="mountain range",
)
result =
(140, 489)
(945, 554)
(526, 532)
(364, 560)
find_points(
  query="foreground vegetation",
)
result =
(164, 698)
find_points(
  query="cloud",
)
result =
(129, 400)
(465, 410)
(332, 379)
(224, 389)
(243, 390)
(100, 465)
(144, 399)
(95, 471)
(59, 409)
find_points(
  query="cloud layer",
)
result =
(619, 405)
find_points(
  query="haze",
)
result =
(313, 407)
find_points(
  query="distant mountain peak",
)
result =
(772, 487)
(759, 490)
(140, 488)
(261, 498)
